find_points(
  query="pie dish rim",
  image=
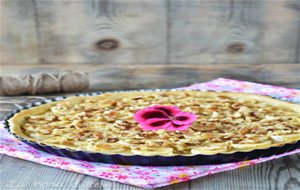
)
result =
(66, 152)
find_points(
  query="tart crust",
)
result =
(227, 122)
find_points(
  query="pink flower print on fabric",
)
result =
(164, 117)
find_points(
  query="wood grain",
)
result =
(279, 174)
(269, 175)
(102, 31)
(113, 77)
(18, 34)
(234, 31)
(150, 32)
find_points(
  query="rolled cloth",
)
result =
(43, 83)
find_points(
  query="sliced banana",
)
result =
(212, 149)
(160, 151)
(251, 146)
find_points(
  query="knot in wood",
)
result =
(236, 48)
(107, 44)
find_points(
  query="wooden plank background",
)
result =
(144, 32)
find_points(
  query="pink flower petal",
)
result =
(174, 127)
(184, 118)
(169, 110)
(164, 117)
(145, 114)
(155, 124)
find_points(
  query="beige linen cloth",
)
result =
(43, 83)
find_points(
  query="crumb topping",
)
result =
(224, 124)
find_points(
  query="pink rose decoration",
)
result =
(164, 117)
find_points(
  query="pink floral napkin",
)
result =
(150, 177)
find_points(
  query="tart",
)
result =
(224, 123)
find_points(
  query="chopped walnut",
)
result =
(244, 130)
(137, 98)
(112, 140)
(67, 142)
(236, 106)
(99, 135)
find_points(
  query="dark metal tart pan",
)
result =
(149, 160)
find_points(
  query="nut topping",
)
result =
(225, 122)
(112, 140)
(98, 135)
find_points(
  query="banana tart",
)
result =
(164, 123)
